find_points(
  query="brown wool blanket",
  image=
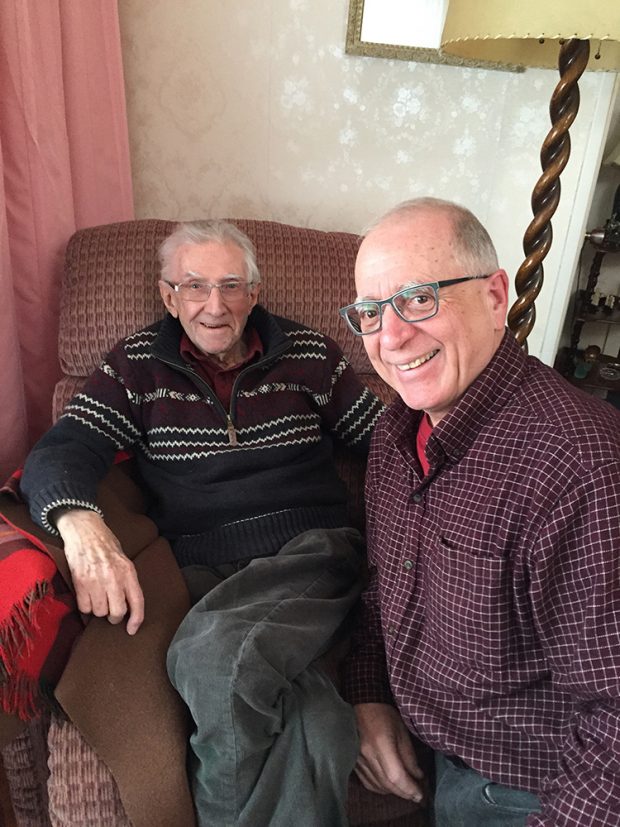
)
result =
(113, 687)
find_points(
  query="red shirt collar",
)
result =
(425, 429)
(220, 379)
(191, 353)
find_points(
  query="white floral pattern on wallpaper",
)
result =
(251, 109)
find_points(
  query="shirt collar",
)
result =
(481, 402)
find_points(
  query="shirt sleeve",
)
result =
(576, 602)
(66, 465)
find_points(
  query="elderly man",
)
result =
(230, 413)
(491, 623)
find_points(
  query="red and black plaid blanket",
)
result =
(39, 620)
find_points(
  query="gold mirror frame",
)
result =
(365, 48)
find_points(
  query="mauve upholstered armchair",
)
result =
(110, 290)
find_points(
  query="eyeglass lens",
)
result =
(198, 291)
(413, 305)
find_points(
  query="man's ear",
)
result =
(254, 295)
(497, 291)
(168, 296)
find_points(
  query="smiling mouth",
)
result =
(418, 362)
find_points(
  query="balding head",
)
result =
(471, 243)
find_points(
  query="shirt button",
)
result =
(417, 498)
(408, 565)
(391, 629)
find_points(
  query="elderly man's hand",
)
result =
(387, 762)
(105, 580)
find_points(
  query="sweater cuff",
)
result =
(46, 517)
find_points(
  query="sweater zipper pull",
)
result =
(232, 434)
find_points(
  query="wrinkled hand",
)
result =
(387, 762)
(105, 580)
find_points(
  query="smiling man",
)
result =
(432, 365)
(231, 414)
(213, 311)
(491, 623)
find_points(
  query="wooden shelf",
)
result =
(566, 365)
(599, 317)
(586, 313)
(569, 360)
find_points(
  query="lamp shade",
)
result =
(510, 31)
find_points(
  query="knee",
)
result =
(328, 721)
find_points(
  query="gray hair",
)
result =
(475, 251)
(205, 232)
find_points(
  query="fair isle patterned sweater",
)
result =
(222, 485)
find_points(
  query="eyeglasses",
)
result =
(197, 290)
(413, 304)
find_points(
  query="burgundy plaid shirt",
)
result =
(495, 586)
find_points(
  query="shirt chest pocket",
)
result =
(469, 606)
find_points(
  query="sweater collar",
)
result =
(275, 342)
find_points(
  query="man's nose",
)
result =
(394, 330)
(214, 301)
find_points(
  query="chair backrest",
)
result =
(110, 289)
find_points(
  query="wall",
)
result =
(251, 109)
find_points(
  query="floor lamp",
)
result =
(573, 35)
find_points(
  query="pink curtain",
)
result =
(64, 164)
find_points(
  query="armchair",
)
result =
(110, 290)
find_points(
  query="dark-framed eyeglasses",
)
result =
(199, 290)
(413, 304)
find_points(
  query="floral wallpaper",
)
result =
(248, 109)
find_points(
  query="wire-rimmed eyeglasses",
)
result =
(413, 304)
(198, 290)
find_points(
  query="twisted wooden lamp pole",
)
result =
(554, 156)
